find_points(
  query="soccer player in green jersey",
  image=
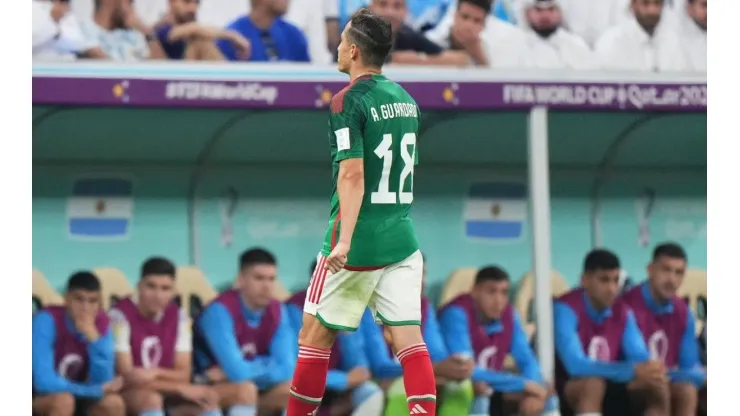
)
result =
(370, 255)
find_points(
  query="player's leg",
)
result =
(334, 303)
(208, 406)
(523, 405)
(239, 399)
(585, 395)
(655, 400)
(684, 399)
(398, 306)
(143, 402)
(59, 404)
(273, 398)
(109, 405)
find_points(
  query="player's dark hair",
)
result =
(158, 266)
(600, 259)
(373, 35)
(671, 250)
(491, 274)
(483, 4)
(83, 280)
(255, 256)
(313, 268)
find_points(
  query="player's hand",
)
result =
(358, 376)
(215, 374)
(85, 324)
(139, 376)
(651, 372)
(113, 386)
(337, 258)
(454, 368)
(536, 389)
(197, 394)
(241, 44)
(481, 388)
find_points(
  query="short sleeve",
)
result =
(121, 331)
(347, 123)
(184, 333)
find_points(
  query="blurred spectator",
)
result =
(56, 33)
(409, 46)
(120, 32)
(589, 19)
(312, 22)
(642, 43)
(152, 12)
(694, 34)
(552, 46)
(187, 39)
(272, 38)
(487, 40)
(331, 17)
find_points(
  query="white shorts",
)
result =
(393, 294)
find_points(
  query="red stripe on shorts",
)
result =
(321, 279)
(315, 278)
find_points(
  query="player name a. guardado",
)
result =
(394, 110)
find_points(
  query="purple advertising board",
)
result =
(158, 85)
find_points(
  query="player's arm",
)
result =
(689, 368)
(45, 378)
(283, 351)
(433, 337)
(633, 343)
(522, 352)
(570, 352)
(347, 121)
(456, 334)
(295, 316)
(102, 358)
(382, 365)
(180, 373)
(124, 363)
(218, 330)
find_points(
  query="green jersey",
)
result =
(377, 120)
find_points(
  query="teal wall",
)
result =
(284, 208)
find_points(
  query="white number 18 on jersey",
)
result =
(408, 148)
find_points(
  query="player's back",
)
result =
(388, 120)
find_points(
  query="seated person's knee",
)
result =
(531, 406)
(111, 405)
(586, 394)
(684, 398)
(246, 393)
(59, 404)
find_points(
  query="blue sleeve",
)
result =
(350, 345)
(225, 46)
(633, 343)
(455, 332)
(301, 46)
(295, 316)
(433, 337)
(102, 359)
(45, 378)
(163, 34)
(522, 352)
(283, 351)
(500, 380)
(382, 365)
(218, 330)
(689, 368)
(570, 352)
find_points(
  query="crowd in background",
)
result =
(629, 35)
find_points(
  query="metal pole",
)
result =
(539, 202)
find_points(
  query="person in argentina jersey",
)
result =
(602, 361)
(350, 389)
(243, 342)
(370, 256)
(153, 345)
(72, 357)
(668, 327)
(452, 372)
(483, 326)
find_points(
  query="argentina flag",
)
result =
(100, 208)
(496, 211)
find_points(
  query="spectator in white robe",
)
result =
(643, 43)
(552, 46)
(694, 34)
